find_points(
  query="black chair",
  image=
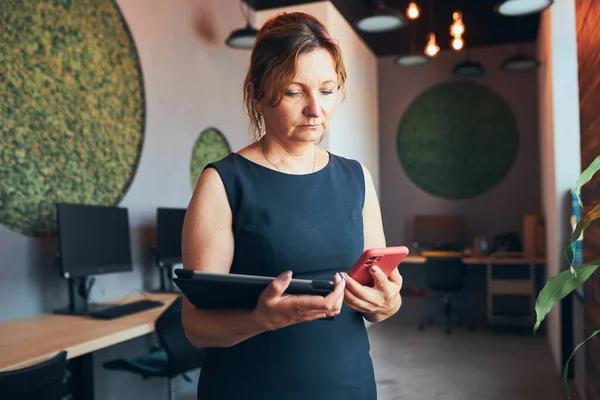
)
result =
(445, 275)
(44, 380)
(172, 357)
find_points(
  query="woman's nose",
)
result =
(313, 108)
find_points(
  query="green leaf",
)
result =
(559, 286)
(586, 176)
(566, 369)
(570, 253)
(582, 224)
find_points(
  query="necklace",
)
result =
(269, 161)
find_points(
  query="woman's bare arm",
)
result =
(373, 225)
(207, 245)
(385, 300)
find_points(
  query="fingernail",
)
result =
(373, 269)
(285, 275)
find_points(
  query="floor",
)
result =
(466, 365)
(430, 365)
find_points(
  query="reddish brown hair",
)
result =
(278, 44)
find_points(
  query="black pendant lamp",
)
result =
(519, 63)
(243, 38)
(468, 68)
(380, 19)
(414, 57)
(516, 8)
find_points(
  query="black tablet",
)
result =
(219, 291)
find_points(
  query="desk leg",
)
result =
(82, 377)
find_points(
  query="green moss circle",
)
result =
(210, 146)
(72, 109)
(457, 140)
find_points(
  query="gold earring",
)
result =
(261, 124)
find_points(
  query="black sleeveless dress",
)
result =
(311, 224)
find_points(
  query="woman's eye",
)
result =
(292, 94)
(328, 92)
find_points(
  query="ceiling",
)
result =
(483, 27)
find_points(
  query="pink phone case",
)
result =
(386, 259)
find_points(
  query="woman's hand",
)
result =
(378, 302)
(276, 309)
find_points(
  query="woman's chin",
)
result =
(309, 135)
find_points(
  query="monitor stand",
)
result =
(79, 304)
(166, 279)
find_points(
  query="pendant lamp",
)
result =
(515, 8)
(380, 19)
(242, 38)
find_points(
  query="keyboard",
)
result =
(122, 310)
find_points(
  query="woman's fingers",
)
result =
(366, 294)
(356, 303)
(397, 278)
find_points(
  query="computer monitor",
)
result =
(169, 226)
(92, 240)
(440, 232)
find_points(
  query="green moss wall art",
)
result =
(210, 146)
(457, 140)
(71, 112)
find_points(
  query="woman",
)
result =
(282, 206)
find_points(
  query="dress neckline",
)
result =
(285, 173)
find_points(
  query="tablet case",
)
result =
(222, 291)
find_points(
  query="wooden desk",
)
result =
(503, 287)
(501, 260)
(30, 340)
(414, 260)
(479, 260)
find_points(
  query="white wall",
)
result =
(559, 139)
(354, 131)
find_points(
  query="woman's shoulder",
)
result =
(224, 164)
(347, 163)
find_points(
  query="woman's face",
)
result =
(308, 103)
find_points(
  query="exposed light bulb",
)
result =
(413, 12)
(458, 27)
(458, 43)
(432, 48)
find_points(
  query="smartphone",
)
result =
(386, 259)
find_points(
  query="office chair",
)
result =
(44, 380)
(174, 355)
(445, 275)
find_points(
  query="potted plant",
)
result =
(563, 283)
